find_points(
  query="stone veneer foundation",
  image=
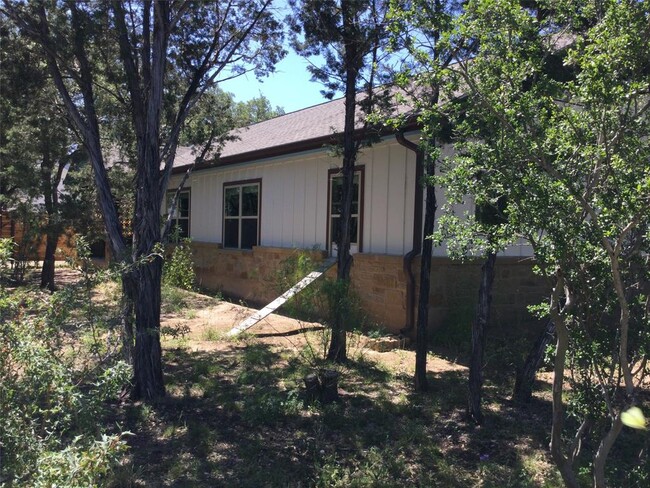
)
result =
(380, 283)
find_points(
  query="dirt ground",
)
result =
(207, 321)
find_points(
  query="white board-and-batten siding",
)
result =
(294, 198)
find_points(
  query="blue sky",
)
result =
(289, 87)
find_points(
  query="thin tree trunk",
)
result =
(600, 481)
(557, 426)
(523, 391)
(47, 271)
(421, 345)
(478, 339)
(337, 348)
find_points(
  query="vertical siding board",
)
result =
(287, 204)
(395, 211)
(311, 203)
(409, 196)
(378, 223)
(299, 207)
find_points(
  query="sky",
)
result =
(288, 87)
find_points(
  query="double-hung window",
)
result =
(241, 214)
(181, 218)
(336, 206)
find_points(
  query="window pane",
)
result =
(183, 205)
(231, 202)
(355, 194)
(183, 228)
(248, 233)
(231, 233)
(337, 194)
(335, 230)
(249, 200)
(354, 230)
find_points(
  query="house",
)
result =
(275, 189)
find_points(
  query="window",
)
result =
(241, 214)
(335, 207)
(181, 218)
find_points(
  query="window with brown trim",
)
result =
(335, 198)
(181, 217)
(241, 214)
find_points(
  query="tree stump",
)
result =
(323, 387)
(312, 388)
(329, 380)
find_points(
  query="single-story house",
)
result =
(275, 189)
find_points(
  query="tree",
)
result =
(560, 96)
(37, 146)
(350, 35)
(424, 28)
(135, 51)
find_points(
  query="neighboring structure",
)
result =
(34, 248)
(276, 188)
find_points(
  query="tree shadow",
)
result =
(237, 418)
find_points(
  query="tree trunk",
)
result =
(147, 361)
(600, 481)
(127, 316)
(523, 391)
(47, 272)
(352, 58)
(557, 425)
(478, 339)
(421, 344)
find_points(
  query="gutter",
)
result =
(417, 232)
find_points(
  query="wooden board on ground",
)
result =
(282, 299)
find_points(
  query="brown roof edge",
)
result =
(284, 149)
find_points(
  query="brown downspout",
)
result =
(417, 233)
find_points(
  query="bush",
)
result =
(178, 270)
(49, 405)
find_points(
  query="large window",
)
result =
(241, 214)
(336, 205)
(181, 217)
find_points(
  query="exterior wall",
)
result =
(380, 282)
(294, 199)
(293, 215)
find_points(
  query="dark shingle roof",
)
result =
(309, 128)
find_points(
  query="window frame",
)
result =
(239, 218)
(334, 173)
(171, 193)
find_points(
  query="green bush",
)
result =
(178, 270)
(49, 404)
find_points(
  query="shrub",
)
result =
(178, 270)
(49, 404)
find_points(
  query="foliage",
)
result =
(556, 120)
(50, 397)
(155, 60)
(178, 270)
(6, 252)
(306, 305)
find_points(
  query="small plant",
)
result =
(178, 270)
(6, 250)
(305, 305)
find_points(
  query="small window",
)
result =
(241, 215)
(336, 204)
(181, 218)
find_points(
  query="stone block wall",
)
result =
(380, 283)
(245, 274)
